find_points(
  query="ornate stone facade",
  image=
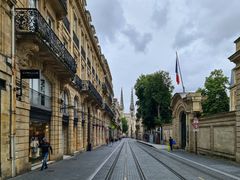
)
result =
(71, 103)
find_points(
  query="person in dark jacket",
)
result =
(45, 146)
(171, 143)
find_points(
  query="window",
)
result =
(40, 92)
(75, 24)
(65, 103)
(32, 3)
(75, 108)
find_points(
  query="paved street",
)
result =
(129, 159)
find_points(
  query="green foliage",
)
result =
(124, 125)
(154, 92)
(215, 93)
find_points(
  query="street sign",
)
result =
(195, 124)
(30, 74)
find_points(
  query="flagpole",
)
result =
(180, 73)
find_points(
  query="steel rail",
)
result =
(139, 169)
(187, 164)
(110, 172)
(164, 164)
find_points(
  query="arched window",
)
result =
(75, 108)
(65, 103)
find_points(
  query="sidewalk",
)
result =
(215, 163)
(80, 166)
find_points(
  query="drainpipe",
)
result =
(12, 135)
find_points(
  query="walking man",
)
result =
(45, 146)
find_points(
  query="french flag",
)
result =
(176, 70)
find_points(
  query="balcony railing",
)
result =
(109, 110)
(75, 39)
(83, 53)
(66, 23)
(78, 82)
(88, 86)
(39, 99)
(30, 21)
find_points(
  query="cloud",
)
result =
(139, 41)
(108, 18)
(160, 14)
(209, 21)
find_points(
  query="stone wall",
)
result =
(167, 133)
(217, 135)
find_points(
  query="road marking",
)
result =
(98, 169)
(201, 178)
(212, 169)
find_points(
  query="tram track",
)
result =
(183, 163)
(110, 172)
(139, 169)
(164, 164)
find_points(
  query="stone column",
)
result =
(79, 132)
(70, 132)
(85, 131)
(56, 125)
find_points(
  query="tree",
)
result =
(154, 92)
(124, 125)
(214, 93)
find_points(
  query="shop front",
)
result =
(38, 129)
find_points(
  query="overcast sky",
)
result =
(141, 37)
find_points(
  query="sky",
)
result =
(142, 37)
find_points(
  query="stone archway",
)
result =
(184, 106)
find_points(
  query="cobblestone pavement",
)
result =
(130, 160)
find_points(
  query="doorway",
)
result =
(183, 130)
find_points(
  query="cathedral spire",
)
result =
(121, 101)
(132, 103)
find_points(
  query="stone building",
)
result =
(116, 110)
(70, 103)
(235, 58)
(217, 134)
(131, 116)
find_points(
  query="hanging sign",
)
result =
(30, 74)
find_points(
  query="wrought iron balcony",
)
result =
(109, 110)
(31, 24)
(75, 39)
(39, 100)
(83, 52)
(88, 86)
(78, 82)
(66, 23)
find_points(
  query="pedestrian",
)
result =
(107, 141)
(171, 143)
(45, 147)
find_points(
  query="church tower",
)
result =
(132, 109)
(121, 103)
